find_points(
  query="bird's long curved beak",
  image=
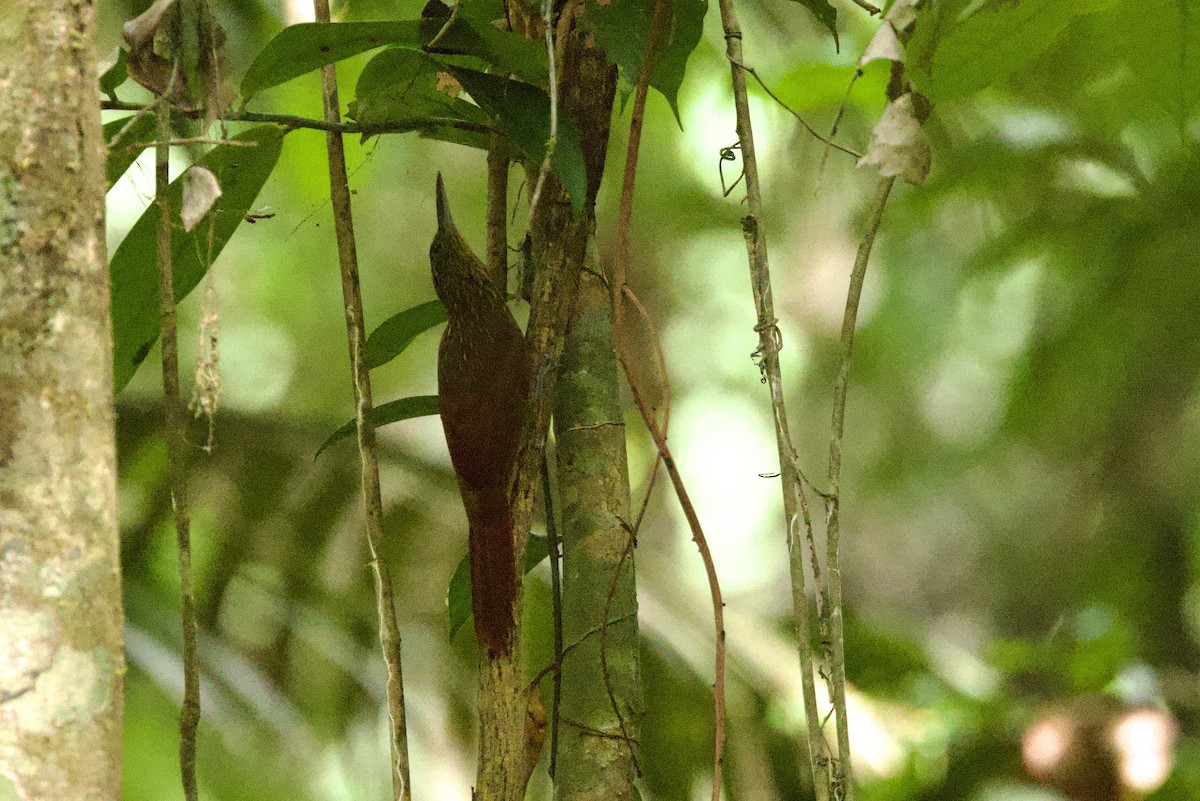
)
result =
(445, 221)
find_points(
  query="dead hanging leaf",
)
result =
(187, 65)
(885, 44)
(899, 145)
(902, 14)
(140, 30)
(212, 70)
(152, 60)
(200, 190)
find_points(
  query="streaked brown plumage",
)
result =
(483, 375)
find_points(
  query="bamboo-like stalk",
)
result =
(389, 628)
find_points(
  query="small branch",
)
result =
(196, 140)
(587, 635)
(833, 503)
(865, 6)
(620, 268)
(389, 628)
(293, 122)
(552, 544)
(795, 504)
(666, 406)
(189, 717)
(608, 688)
(828, 141)
(548, 23)
(497, 209)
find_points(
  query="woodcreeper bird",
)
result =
(483, 379)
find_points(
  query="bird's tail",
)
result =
(493, 578)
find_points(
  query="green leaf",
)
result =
(396, 333)
(115, 75)
(458, 595)
(951, 59)
(621, 28)
(522, 112)
(506, 52)
(391, 412)
(300, 49)
(826, 14)
(406, 86)
(455, 136)
(131, 144)
(241, 172)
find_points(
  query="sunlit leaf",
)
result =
(391, 412)
(241, 171)
(396, 333)
(458, 595)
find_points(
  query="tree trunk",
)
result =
(61, 654)
(595, 759)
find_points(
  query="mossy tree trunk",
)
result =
(61, 654)
(595, 760)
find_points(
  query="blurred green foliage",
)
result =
(1021, 509)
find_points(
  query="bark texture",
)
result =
(559, 236)
(595, 759)
(61, 651)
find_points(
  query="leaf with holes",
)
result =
(241, 171)
(391, 412)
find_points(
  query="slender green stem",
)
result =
(189, 718)
(389, 628)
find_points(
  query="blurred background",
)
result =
(1021, 489)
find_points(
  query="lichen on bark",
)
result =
(61, 652)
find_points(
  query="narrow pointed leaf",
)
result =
(241, 171)
(396, 333)
(391, 412)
